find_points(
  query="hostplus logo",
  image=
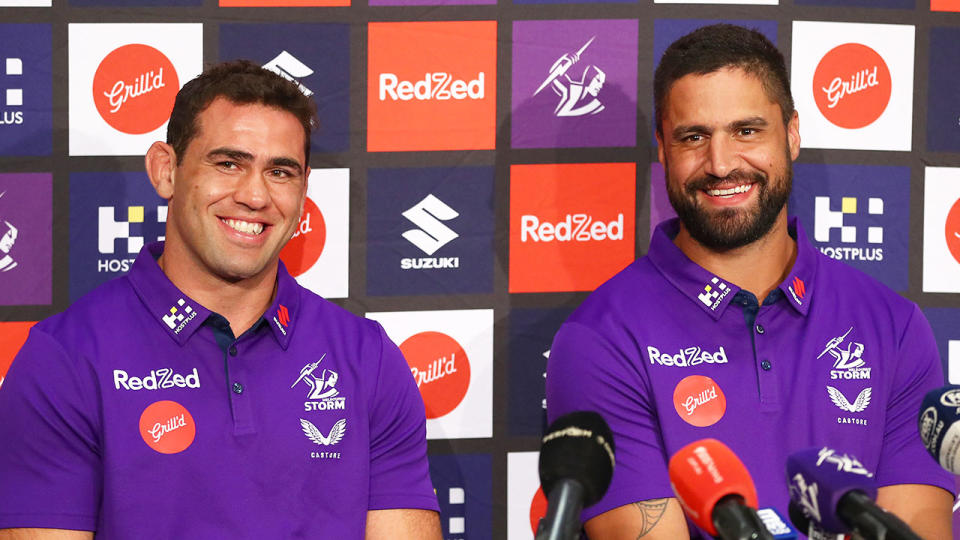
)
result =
(456, 504)
(13, 97)
(291, 68)
(848, 358)
(577, 97)
(714, 293)
(431, 235)
(109, 230)
(827, 220)
(573, 228)
(179, 316)
(436, 86)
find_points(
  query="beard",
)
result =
(731, 228)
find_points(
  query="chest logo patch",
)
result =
(323, 394)
(333, 437)
(847, 355)
(167, 427)
(699, 401)
(840, 400)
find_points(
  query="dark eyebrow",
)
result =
(240, 155)
(287, 162)
(756, 121)
(232, 153)
(680, 131)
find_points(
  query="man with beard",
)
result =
(723, 330)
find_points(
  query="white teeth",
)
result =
(727, 192)
(244, 226)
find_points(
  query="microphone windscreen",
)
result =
(819, 478)
(939, 425)
(578, 446)
(705, 471)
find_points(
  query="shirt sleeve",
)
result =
(588, 372)
(903, 458)
(50, 460)
(399, 471)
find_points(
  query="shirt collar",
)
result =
(798, 285)
(705, 289)
(712, 293)
(181, 316)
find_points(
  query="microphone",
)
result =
(808, 527)
(716, 491)
(837, 491)
(576, 466)
(776, 525)
(940, 426)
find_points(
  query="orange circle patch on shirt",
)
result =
(167, 427)
(699, 401)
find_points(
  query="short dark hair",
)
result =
(242, 82)
(712, 48)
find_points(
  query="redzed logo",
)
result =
(953, 230)
(134, 88)
(12, 337)
(432, 85)
(167, 427)
(944, 5)
(538, 509)
(441, 368)
(798, 287)
(699, 401)
(571, 225)
(306, 246)
(852, 85)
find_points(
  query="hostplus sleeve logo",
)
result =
(574, 83)
(853, 84)
(179, 316)
(430, 231)
(26, 114)
(859, 215)
(714, 293)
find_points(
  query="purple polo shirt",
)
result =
(667, 356)
(125, 416)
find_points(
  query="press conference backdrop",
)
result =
(462, 194)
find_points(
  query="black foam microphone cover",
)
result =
(578, 446)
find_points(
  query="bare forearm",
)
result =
(44, 534)
(654, 519)
(926, 509)
(403, 524)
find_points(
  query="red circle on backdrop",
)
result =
(134, 88)
(441, 368)
(167, 427)
(953, 230)
(538, 509)
(306, 246)
(868, 85)
(699, 401)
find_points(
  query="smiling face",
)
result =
(727, 157)
(236, 197)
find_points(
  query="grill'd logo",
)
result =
(134, 88)
(852, 86)
(305, 247)
(441, 368)
(167, 427)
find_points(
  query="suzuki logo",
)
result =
(289, 67)
(427, 215)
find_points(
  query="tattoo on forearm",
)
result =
(651, 511)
